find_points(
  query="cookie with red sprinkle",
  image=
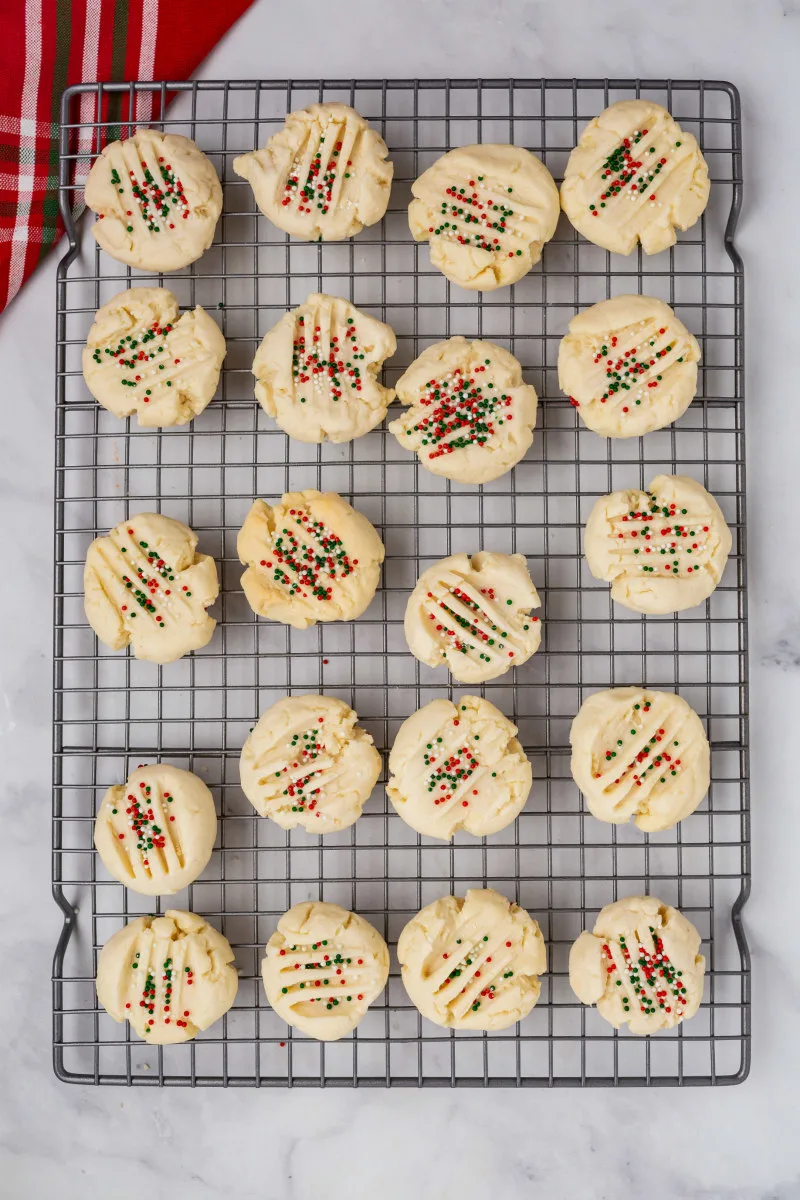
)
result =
(635, 176)
(310, 557)
(158, 199)
(469, 415)
(323, 177)
(640, 965)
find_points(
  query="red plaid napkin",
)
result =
(49, 44)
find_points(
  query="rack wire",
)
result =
(112, 712)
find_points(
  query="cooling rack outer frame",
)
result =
(79, 1057)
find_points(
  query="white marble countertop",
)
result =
(738, 1142)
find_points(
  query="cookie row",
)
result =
(313, 557)
(454, 766)
(485, 210)
(470, 963)
(627, 364)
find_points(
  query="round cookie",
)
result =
(662, 550)
(157, 199)
(486, 212)
(472, 963)
(142, 356)
(470, 417)
(316, 371)
(308, 763)
(155, 833)
(323, 177)
(458, 766)
(145, 586)
(323, 968)
(634, 176)
(629, 366)
(642, 754)
(640, 965)
(309, 558)
(473, 613)
(170, 976)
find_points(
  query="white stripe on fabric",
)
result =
(27, 145)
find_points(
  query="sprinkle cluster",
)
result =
(142, 821)
(652, 978)
(145, 595)
(622, 169)
(660, 760)
(489, 216)
(626, 369)
(676, 533)
(463, 412)
(489, 992)
(333, 373)
(317, 188)
(452, 771)
(302, 565)
(133, 353)
(333, 962)
(148, 998)
(478, 624)
(157, 201)
(303, 797)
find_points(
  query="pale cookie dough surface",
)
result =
(323, 177)
(642, 754)
(472, 962)
(308, 763)
(146, 586)
(662, 550)
(640, 965)
(486, 212)
(473, 613)
(458, 766)
(142, 356)
(628, 365)
(309, 558)
(170, 976)
(155, 833)
(634, 176)
(470, 417)
(157, 199)
(316, 371)
(323, 968)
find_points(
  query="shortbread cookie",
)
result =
(317, 371)
(472, 962)
(145, 586)
(157, 199)
(323, 177)
(634, 176)
(170, 976)
(470, 416)
(458, 766)
(309, 558)
(155, 833)
(323, 968)
(142, 356)
(640, 965)
(662, 550)
(486, 212)
(473, 613)
(629, 366)
(642, 754)
(308, 763)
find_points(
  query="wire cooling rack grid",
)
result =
(113, 712)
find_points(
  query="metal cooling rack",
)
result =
(112, 712)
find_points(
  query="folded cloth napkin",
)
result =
(50, 44)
